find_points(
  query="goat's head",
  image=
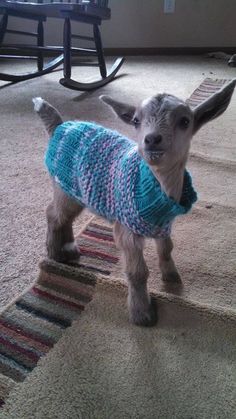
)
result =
(165, 124)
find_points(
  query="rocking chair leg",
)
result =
(3, 26)
(66, 57)
(67, 81)
(67, 48)
(98, 43)
(40, 43)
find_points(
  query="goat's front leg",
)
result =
(142, 309)
(166, 263)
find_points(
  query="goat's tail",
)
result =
(49, 115)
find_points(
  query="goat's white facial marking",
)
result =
(164, 126)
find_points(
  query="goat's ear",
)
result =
(124, 111)
(214, 106)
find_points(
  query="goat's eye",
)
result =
(136, 122)
(184, 122)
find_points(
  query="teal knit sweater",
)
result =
(103, 171)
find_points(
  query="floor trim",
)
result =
(168, 51)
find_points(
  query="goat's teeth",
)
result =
(154, 155)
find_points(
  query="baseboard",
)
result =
(167, 51)
(140, 51)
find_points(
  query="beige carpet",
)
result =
(104, 368)
(205, 254)
(25, 188)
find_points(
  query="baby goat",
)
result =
(141, 187)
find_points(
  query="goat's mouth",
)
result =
(153, 155)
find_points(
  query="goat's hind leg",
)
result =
(166, 263)
(142, 309)
(60, 216)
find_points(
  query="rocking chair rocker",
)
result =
(86, 11)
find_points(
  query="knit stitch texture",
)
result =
(103, 170)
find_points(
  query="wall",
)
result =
(142, 24)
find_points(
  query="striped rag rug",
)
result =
(35, 321)
(31, 325)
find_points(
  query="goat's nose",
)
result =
(152, 139)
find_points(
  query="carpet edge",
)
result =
(204, 309)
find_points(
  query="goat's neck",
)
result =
(171, 180)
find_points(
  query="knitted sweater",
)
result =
(104, 171)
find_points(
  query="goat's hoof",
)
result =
(67, 254)
(172, 277)
(146, 318)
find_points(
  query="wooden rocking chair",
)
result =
(86, 11)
